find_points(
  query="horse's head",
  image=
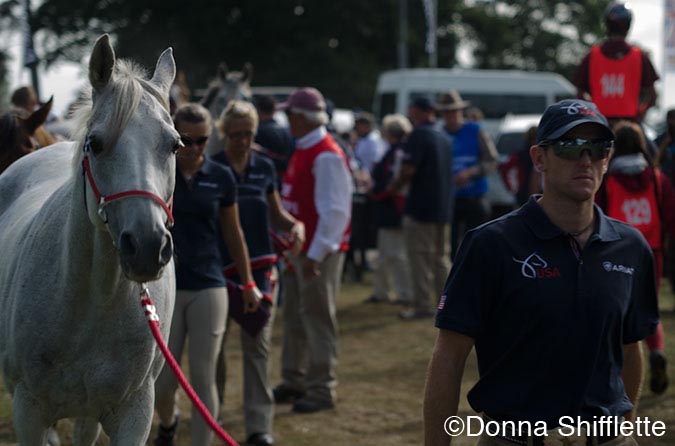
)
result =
(17, 133)
(128, 155)
(228, 85)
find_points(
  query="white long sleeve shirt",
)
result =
(332, 197)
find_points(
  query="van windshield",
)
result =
(496, 106)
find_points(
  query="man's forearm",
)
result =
(632, 373)
(405, 175)
(443, 386)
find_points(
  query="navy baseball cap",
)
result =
(563, 116)
(423, 103)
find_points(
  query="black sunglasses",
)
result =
(573, 149)
(189, 141)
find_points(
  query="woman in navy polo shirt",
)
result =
(259, 206)
(204, 207)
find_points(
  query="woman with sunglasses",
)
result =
(259, 209)
(637, 193)
(204, 208)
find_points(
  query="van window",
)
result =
(387, 104)
(496, 106)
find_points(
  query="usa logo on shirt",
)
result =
(535, 267)
(441, 304)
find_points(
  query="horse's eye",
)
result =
(95, 145)
(177, 145)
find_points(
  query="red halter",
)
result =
(103, 200)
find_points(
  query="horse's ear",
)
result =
(247, 72)
(101, 63)
(165, 71)
(38, 117)
(222, 71)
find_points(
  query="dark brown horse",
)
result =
(18, 135)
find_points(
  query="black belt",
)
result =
(522, 440)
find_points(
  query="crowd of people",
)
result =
(268, 219)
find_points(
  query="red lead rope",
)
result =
(153, 321)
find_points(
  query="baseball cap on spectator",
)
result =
(567, 114)
(423, 103)
(307, 99)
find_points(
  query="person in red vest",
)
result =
(637, 193)
(317, 190)
(618, 77)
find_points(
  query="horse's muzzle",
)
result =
(143, 259)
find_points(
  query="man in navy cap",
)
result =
(427, 169)
(555, 296)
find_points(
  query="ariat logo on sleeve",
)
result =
(535, 267)
(609, 267)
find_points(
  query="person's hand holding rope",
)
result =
(297, 237)
(252, 297)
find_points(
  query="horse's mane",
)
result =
(125, 90)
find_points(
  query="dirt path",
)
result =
(381, 377)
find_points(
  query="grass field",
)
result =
(381, 378)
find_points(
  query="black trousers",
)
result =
(469, 213)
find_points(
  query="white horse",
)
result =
(227, 86)
(74, 341)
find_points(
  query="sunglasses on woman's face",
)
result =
(190, 141)
(573, 149)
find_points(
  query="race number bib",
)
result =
(637, 211)
(612, 85)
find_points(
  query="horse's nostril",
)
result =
(166, 251)
(128, 245)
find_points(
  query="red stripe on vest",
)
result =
(615, 83)
(297, 190)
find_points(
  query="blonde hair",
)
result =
(397, 126)
(236, 110)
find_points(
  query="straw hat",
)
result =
(452, 101)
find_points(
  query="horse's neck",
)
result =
(91, 264)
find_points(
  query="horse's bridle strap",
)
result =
(103, 200)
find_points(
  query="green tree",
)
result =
(339, 47)
(543, 35)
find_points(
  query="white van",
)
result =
(495, 92)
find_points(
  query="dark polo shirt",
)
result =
(550, 326)
(196, 205)
(257, 181)
(277, 142)
(430, 197)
